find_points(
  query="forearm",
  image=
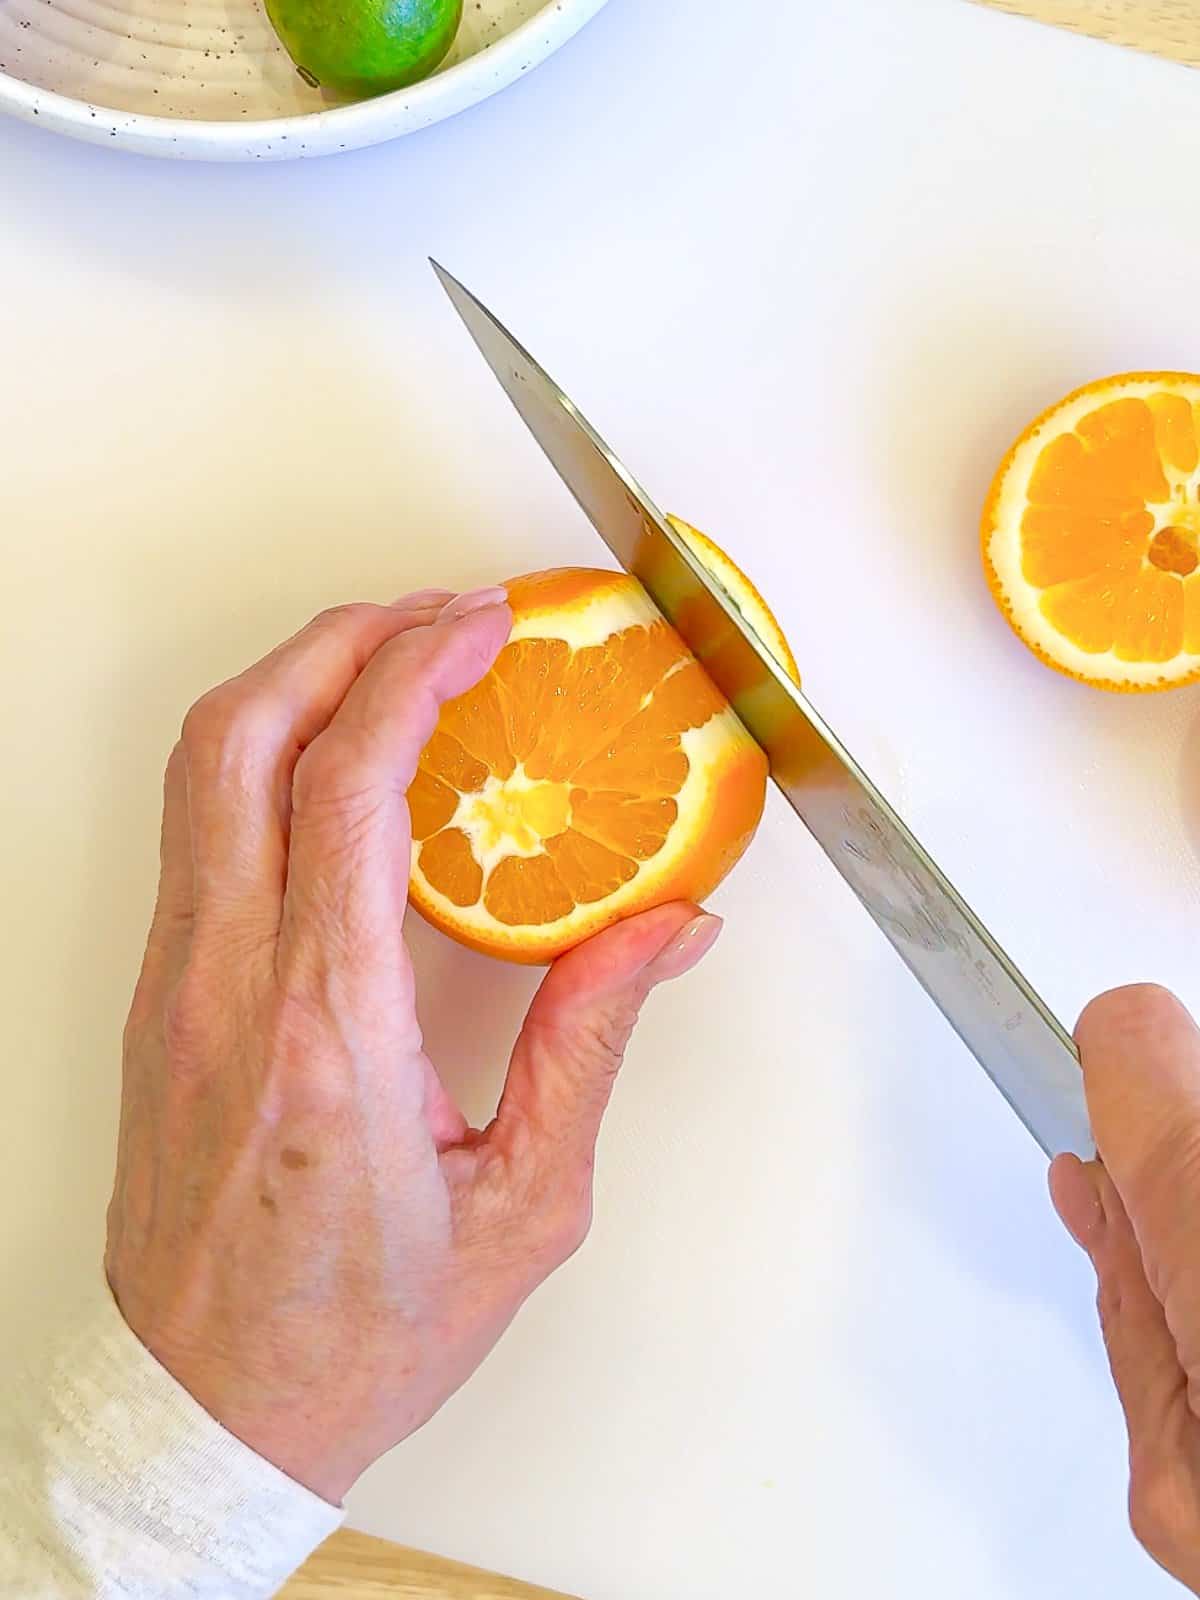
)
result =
(116, 1485)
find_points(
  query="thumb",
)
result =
(567, 1057)
(1141, 1063)
(1144, 1357)
(1141, 1349)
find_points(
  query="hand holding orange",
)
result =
(595, 772)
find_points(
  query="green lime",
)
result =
(364, 47)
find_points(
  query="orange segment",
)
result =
(444, 758)
(588, 871)
(1120, 458)
(527, 892)
(449, 865)
(431, 803)
(479, 729)
(1083, 610)
(635, 827)
(595, 772)
(527, 675)
(1091, 533)
(1174, 431)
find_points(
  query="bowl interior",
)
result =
(212, 60)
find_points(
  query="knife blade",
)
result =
(995, 1011)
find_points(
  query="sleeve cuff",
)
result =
(131, 1489)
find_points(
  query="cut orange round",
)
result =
(594, 773)
(1091, 533)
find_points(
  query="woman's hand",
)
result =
(1138, 1218)
(304, 1230)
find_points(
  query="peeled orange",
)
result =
(595, 772)
(1091, 533)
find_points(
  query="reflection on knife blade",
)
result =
(1025, 1051)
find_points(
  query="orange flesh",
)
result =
(570, 759)
(1111, 529)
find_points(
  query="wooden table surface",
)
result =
(356, 1567)
(352, 1566)
(1168, 28)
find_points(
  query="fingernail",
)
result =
(686, 950)
(422, 599)
(1076, 1195)
(477, 600)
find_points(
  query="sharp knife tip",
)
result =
(447, 279)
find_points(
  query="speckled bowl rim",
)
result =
(310, 133)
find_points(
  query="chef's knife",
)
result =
(1022, 1047)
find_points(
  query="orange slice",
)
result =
(1091, 533)
(594, 773)
(742, 592)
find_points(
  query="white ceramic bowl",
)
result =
(207, 80)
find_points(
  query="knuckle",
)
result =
(590, 1041)
(209, 720)
(577, 1225)
(548, 1192)
(232, 712)
(598, 1039)
(319, 770)
(572, 1229)
(326, 767)
(348, 615)
(335, 775)
(563, 1227)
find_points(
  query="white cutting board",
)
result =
(812, 278)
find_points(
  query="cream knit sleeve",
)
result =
(116, 1485)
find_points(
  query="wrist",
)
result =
(124, 1473)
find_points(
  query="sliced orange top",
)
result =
(596, 771)
(1091, 533)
